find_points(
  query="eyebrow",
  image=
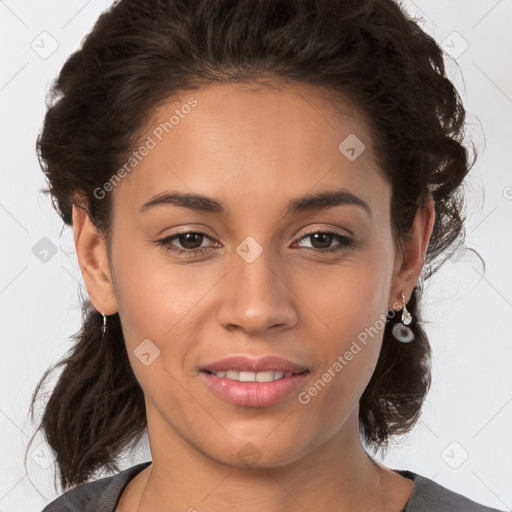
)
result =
(309, 202)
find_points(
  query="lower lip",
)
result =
(254, 394)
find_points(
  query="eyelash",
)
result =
(346, 243)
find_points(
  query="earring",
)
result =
(406, 316)
(400, 330)
(104, 326)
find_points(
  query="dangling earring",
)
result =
(104, 326)
(400, 330)
(406, 316)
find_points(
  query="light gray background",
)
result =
(463, 439)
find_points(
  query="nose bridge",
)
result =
(256, 296)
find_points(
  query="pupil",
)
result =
(189, 240)
(323, 236)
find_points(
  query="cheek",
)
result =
(350, 298)
(155, 294)
(349, 360)
(353, 304)
(160, 302)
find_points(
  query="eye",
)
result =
(187, 239)
(325, 238)
(191, 242)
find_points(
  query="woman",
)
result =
(255, 189)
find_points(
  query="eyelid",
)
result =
(333, 231)
(313, 231)
(345, 243)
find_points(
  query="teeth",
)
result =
(245, 376)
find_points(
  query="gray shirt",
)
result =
(104, 494)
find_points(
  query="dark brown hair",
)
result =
(142, 52)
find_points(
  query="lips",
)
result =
(250, 382)
(248, 364)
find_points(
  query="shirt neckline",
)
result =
(411, 476)
(130, 473)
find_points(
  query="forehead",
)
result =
(255, 143)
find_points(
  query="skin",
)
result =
(254, 149)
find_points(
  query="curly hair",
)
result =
(142, 52)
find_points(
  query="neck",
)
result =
(339, 475)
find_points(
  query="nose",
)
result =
(256, 297)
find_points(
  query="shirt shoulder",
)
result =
(99, 496)
(429, 496)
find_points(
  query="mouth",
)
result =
(246, 365)
(249, 382)
(248, 376)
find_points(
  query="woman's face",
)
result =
(255, 286)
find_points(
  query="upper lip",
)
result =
(244, 363)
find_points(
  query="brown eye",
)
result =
(190, 241)
(322, 240)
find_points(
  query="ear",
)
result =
(408, 266)
(91, 251)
